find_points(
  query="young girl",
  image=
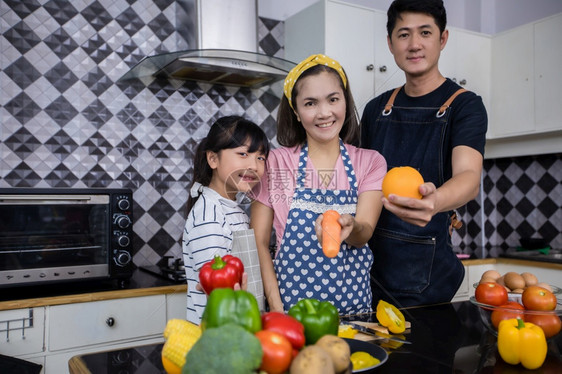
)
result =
(318, 168)
(231, 159)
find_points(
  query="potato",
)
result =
(530, 279)
(501, 281)
(312, 359)
(338, 349)
(491, 274)
(513, 280)
(487, 280)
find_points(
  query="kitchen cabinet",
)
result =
(526, 83)
(22, 333)
(176, 305)
(387, 74)
(466, 60)
(512, 88)
(55, 333)
(96, 326)
(342, 31)
(548, 80)
(102, 322)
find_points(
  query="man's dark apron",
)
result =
(303, 271)
(415, 265)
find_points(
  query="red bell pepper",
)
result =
(220, 272)
(285, 325)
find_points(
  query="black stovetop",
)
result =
(543, 255)
(140, 279)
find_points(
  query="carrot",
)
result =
(331, 232)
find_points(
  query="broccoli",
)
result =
(226, 349)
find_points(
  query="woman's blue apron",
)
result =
(303, 271)
(415, 265)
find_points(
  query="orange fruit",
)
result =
(402, 181)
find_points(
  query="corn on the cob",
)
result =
(182, 326)
(180, 336)
(176, 347)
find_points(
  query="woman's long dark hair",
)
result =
(290, 131)
(226, 133)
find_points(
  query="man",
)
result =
(435, 127)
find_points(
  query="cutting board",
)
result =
(377, 327)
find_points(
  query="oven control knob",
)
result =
(123, 258)
(123, 222)
(123, 204)
(123, 241)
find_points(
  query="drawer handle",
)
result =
(110, 321)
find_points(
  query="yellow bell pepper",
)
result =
(346, 331)
(390, 317)
(521, 342)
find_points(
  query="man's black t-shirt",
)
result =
(467, 125)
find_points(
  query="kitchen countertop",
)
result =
(446, 338)
(505, 260)
(144, 284)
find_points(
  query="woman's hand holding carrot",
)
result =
(331, 229)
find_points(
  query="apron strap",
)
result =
(388, 107)
(447, 103)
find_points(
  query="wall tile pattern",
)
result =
(66, 121)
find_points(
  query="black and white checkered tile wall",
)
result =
(67, 122)
(520, 197)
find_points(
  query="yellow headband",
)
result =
(306, 64)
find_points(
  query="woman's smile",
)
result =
(324, 125)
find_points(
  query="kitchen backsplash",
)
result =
(519, 197)
(66, 121)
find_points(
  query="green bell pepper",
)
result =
(225, 305)
(319, 318)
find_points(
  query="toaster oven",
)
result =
(60, 235)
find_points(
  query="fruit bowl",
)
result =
(490, 315)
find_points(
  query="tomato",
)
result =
(499, 315)
(538, 298)
(277, 352)
(549, 323)
(491, 293)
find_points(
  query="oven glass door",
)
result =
(52, 237)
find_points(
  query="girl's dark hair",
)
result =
(226, 133)
(434, 8)
(290, 131)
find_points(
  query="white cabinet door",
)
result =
(22, 331)
(342, 31)
(176, 306)
(101, 322)
(387, 74)
(350, 33)
(463, 292)
(548, 77)
(467, 59)
(512, 97)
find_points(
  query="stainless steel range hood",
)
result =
(225, 32)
